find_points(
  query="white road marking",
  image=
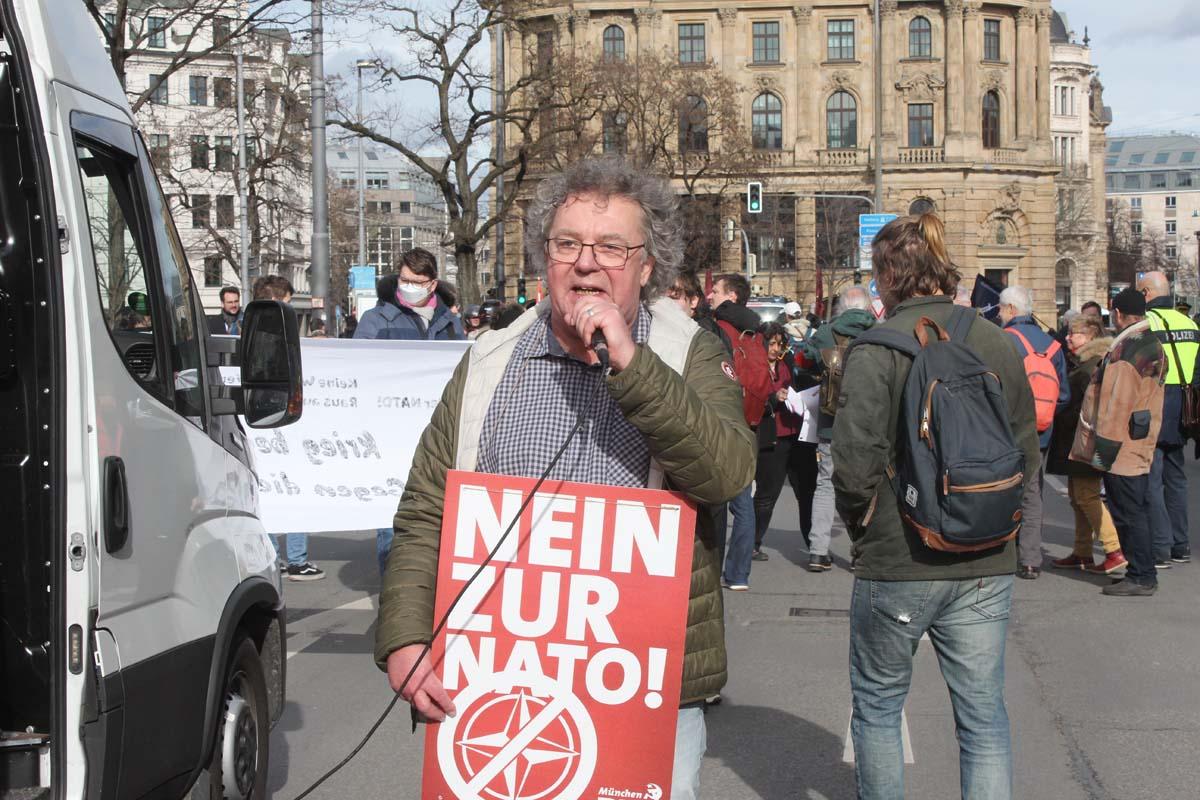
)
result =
(364, 603)
(1057, 484)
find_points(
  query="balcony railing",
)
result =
(922, 155)
(842, 158)
(1005, 155)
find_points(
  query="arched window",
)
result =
(920, 38)
(991, 120)
(766, 122)
(614, 43)
(922, 205)
(693, 124)
(841, 121)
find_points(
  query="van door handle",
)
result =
(116, 505)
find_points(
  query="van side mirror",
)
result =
(269, 354)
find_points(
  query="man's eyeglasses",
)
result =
(606, 254)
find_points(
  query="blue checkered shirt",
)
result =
(537, 403)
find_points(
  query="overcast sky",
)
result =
(1147, 55)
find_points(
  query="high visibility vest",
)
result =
(1182, 337)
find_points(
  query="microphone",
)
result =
(600, 346)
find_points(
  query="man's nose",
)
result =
(587, 259)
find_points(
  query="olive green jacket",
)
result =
(698, 438)
(865, 441)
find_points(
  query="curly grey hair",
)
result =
(613, 177)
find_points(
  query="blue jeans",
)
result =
(741, 541)
(1168, 503)
(297, 547)
(691, 740)
(967, 621)
(383, 546)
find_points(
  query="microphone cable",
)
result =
(605, 370)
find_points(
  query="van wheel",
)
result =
(238, 770)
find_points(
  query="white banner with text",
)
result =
(344, 464)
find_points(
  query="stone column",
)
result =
(1027, 112)
(885, 48)
(562, 24)
(806, 251)
(644, 20)
(1043, 82)
(806, 72)
(954, 78)
(580, 23)
(972, 74)
(729, 49)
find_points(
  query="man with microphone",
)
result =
(664, 412)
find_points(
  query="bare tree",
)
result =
(443, 56)
(179, 32)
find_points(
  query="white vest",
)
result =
(671, 334)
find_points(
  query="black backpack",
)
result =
(959, 475)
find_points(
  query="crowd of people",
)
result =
(935, 426)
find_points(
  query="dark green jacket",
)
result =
(852, 323)
(864, 442)
(695, 430)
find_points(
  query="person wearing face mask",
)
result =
(409, 307)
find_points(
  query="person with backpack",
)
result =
(827, 350)
(1046, 367)
(934, 439)
(728, 301)
(1119, 428)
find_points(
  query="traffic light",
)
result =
(754, 197)
(521, 296)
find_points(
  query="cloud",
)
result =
(1180, 27)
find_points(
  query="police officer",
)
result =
(1168, 482)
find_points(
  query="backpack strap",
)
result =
(961, 320)
(891, 339)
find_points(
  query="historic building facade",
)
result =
(1078, 120)
(966, 119)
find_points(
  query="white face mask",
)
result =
(414, 294)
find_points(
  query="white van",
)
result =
(141, 618)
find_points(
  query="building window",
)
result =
(1183, 180)
(158, 94)
(614, 133)
(1158, 180)
(156, 27)
(839, 40)
(766, 42)
(406, 239)
(223, 92)
(545, 49)
(614, 43)
(1187, 156)
(199, 149)
(991, 40)
(405, 207)
(110, 24)
(766, 122)
(922, 205)
(1171, 227)
(200, 211)
(347, 183)
(248, 92)
(920, 38)
(379, 248)
(160, 151)
(1133, 181)
(691, 43)
(224, 211)
(1135, 228)
(1170, 201)
(223, 157)
(1135, 202)
(841, 121)
(693, 125)
(1137, 158)
(1172, 252)
(991, 120)
(377, 180)
(212, 271)
(1161, 158)
(920, 125)
(221, 30)
(198, 90)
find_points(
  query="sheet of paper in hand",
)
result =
(565, 657)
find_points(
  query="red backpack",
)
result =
(753, 371)
(1043, 379)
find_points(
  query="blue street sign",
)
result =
(362, 277)
(871, 224)
(873, 288)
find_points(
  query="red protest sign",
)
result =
(565, 656)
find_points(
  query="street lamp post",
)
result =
(361, 179)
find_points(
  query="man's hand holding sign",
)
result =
(564, 665)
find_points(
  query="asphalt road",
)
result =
(1103, 693)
